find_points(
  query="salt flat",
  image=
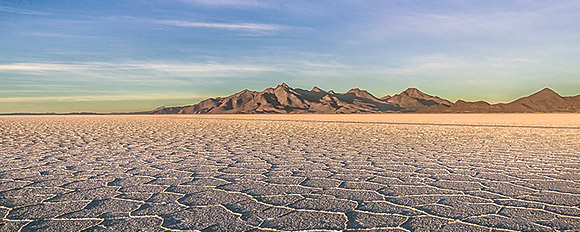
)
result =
(392, 172)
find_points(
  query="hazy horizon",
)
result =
(124, 56)
(120, 105)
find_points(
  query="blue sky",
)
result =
(130, 55)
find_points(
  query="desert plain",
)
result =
(375, 172)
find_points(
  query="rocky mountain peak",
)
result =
(545, 93)
(283, 86)
(316, 89)
(414, 92)
(360, 93)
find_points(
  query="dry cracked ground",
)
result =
(230, 173)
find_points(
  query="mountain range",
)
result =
(284, 99)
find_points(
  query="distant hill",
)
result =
(284, 99)
(413, 99)
(544, 101)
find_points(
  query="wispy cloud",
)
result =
(448, 26)
(59, 35)
(236, 3)
(504, 23)
(440, 65)
(158, 69)
(98, 98)
(22, 11)
(198, 67)
(42, 67)
(227, 26)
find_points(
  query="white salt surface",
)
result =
(391, 172)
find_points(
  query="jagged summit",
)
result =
(284, 99)
(412, 99)
(361, 93)
(316, 89)
(413, 92)
(283, 86)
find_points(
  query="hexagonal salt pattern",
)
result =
(129, 173)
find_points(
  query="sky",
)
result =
(135, 55)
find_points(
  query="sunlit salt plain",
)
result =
(388, 172)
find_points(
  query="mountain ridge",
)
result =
(543, 101)
(284, 99)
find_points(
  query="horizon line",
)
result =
(145, 111)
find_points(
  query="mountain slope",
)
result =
(575, 101)
(546, 100)
(543, 101)
(413, 99)
(284, 99)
